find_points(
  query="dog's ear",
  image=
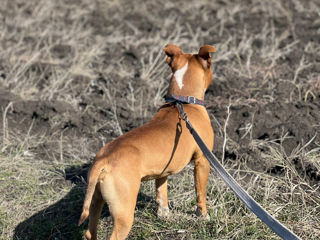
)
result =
(171, 51)
(204, 54)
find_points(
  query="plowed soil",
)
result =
(75, 75)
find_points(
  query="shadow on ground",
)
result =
(59, 221)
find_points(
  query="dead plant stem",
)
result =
(225, 134)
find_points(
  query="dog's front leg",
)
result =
(162, 196)
(201, 174)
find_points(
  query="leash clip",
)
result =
(184, 116)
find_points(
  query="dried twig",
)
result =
(225, 134)
(4, 122)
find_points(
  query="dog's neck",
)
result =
(187, 81)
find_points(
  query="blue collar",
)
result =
(184, 99)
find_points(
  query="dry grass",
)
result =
(108, 55)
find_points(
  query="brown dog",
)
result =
(156, 150)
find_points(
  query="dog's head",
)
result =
(191, 73)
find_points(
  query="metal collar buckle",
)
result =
(191, 99)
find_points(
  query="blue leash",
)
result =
(265, 217)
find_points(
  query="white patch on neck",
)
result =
(178, 75)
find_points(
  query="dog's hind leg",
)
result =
(120, 191)
(95, 212)
(162, 196)
(201, 174)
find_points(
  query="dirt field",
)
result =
(77, 74)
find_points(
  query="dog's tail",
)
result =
(94, 174)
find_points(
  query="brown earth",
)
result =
(258, 71)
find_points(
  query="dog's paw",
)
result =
(206, 217)
(203, 216)
(88, 235)
(163, 212)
